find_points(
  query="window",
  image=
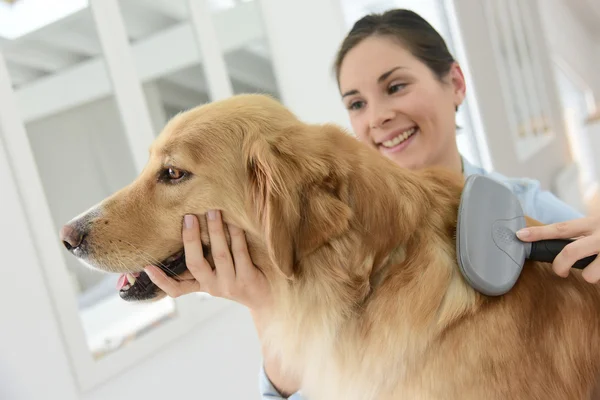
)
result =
(524, 91)
(19, 17)
(573, 93)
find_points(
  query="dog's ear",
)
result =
(270, 198)
(324, 214)
(297, 199)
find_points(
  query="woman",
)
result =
(402, 89)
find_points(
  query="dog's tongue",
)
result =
(122, 282)
(126, 279)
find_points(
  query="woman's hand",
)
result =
(587, 230)
(235, 277)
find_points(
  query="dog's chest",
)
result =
(334, 371)
(341, 362)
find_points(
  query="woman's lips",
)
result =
(399, 143)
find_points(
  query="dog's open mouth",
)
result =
(138, 286)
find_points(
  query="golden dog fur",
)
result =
(360, 254)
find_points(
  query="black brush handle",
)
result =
(547, 250)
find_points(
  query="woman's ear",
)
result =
(459, 86)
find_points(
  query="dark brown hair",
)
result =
(410, 29)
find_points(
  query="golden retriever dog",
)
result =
(360, 254)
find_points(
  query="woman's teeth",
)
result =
(400, 138)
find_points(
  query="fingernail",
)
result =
(212, 215)
(150, 271)
(523, 234)
(188, 221)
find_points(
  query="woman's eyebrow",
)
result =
(385, 75)
(350, 93)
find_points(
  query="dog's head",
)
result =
(269, 173)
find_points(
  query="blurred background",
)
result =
(86, 85)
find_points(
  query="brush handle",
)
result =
(547, 250)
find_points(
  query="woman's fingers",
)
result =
(235, 274)
(574, 252)
(559, 230)
(220, 249)
(169, 285)
(194, 255)
(587, 232)
(244, 267)
(235, 277)
(591, 273)
(185, 276)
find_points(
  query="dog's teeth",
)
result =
(126, 287)
(130, 279)
(172, 258)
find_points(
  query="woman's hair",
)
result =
(410, 29)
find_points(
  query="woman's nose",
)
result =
(380, 116)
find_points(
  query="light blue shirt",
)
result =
(538, 204)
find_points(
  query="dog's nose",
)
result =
(71, 237)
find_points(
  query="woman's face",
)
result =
(397, 105)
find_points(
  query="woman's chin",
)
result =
(411, 159)
(407, 162)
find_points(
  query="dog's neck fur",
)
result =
(346, 274)
(391, 224)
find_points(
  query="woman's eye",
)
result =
(356, 105)
(395, 88)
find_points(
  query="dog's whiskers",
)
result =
(148, 259)
(121, 261)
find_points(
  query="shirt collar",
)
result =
(469, 169)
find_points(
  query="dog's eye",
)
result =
(172, 175)
(175, 174)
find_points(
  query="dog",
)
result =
(360, 256)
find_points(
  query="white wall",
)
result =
(569, 39)
(33, 363)
(303, 39)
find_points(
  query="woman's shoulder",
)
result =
(537, 203)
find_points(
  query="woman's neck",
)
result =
(452, 161)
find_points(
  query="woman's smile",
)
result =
(398, 140)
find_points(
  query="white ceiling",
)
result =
(57, 49)
(71, 42)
